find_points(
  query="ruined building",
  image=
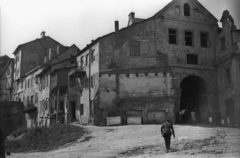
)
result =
(148, 71)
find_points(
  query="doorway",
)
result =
(193, 95)
(73, 111)
(229, 106)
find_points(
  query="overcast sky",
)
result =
(80, 21)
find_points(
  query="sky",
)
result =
(80, 21)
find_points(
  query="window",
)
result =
(188, 38)
(204, 40)
(172, 36)
(222, 43)
(36, 80)
(92, 56)
(32, 99)
(186, 10)
(32, 81)
(81, 109)
(36, 97)
(228, 77)
(28, 83)
(82, 61)
(46, 81)
(192, 59)
(134, 48)
(87, 57)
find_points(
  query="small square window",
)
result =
(192, 59)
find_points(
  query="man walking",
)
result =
(166, 131)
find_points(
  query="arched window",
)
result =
(186, 10)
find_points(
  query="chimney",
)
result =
(131, 15)
(116, 27)
(42, 34)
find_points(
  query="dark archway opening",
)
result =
(193, 95)
(230, 109)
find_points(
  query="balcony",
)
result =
(78, 73)
(29, 108)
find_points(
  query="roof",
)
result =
(139, 21)
(36, 40)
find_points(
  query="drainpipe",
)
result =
(89, 81)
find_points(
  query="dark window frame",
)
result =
(187, 9)
(204, 39)
(172, 36)
(192, 59)
(189, 36)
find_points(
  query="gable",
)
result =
(198, 13)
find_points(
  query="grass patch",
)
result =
(43, 138)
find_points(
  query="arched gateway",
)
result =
(193, 95)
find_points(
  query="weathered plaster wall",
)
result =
(88, 113)
(31, 89)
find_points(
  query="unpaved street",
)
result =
(145, 141)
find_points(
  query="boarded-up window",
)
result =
(134, 48)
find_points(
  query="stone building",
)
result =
(148, 71)
(6, 81)
(28, 56)
(53, 83)
(228, 69)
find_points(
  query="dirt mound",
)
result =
(42, 138)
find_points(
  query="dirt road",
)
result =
(145, 141)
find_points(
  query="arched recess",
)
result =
(229, 108)
(193, 95)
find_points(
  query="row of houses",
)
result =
(144, 73)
